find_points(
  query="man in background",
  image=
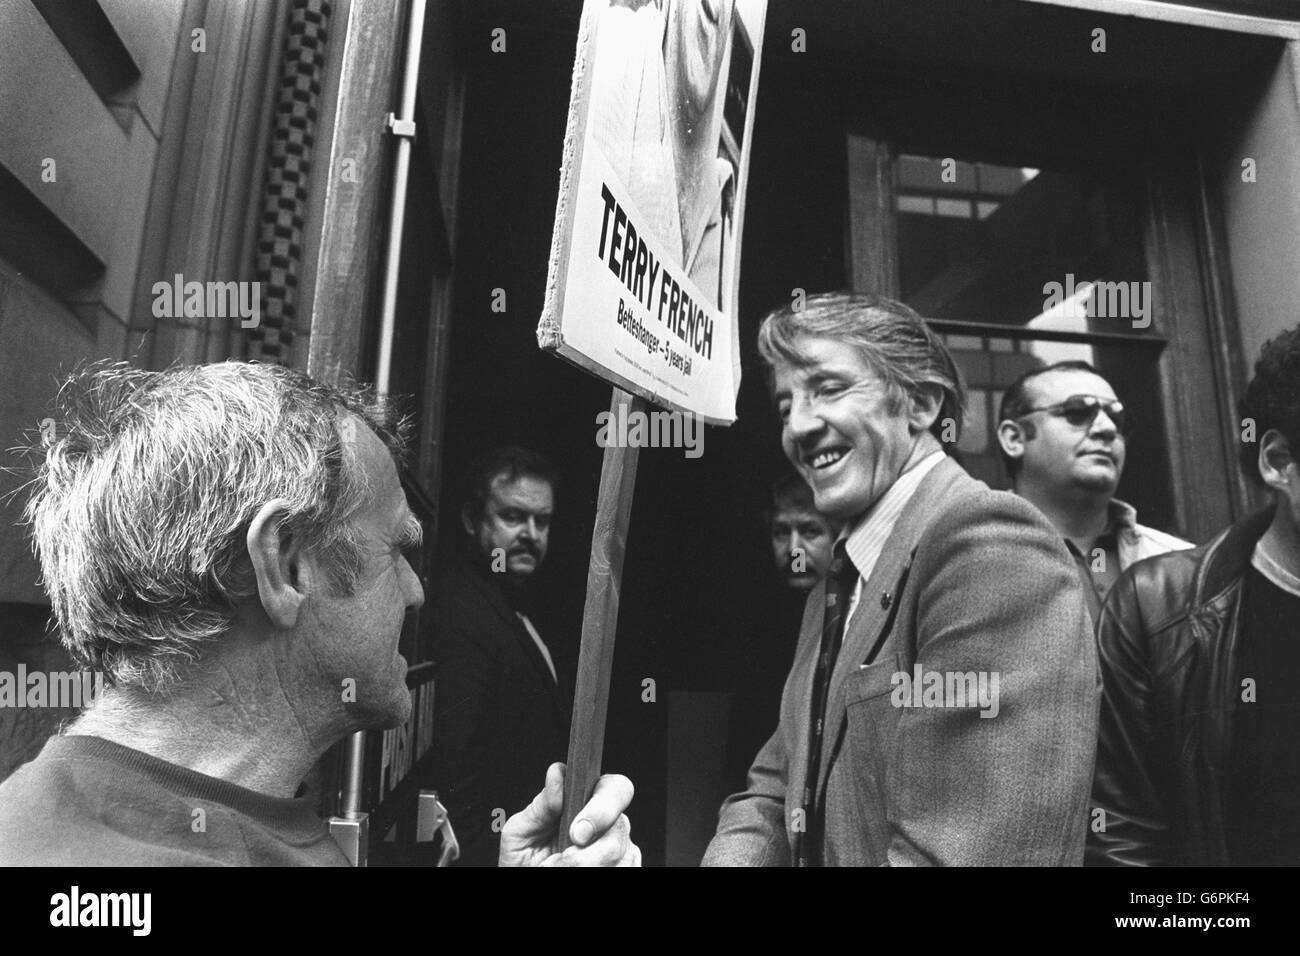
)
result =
(1063, 437)
(501, 708)
(1198, 761)
(801, 539)
(801, 535)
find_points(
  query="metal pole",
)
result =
(403, 127)
(355, 759)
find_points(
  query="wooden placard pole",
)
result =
(600, 618)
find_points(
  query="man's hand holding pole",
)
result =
(601, 833)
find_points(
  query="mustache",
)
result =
(524, 549)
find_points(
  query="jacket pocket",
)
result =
(870, 733)
(874, 680)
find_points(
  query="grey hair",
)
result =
(141, 505)
(891, 337)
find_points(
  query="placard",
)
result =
(644, 269)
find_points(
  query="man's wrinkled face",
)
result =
(801, 546)
(1072, 457)
(843, 431)
(515, 524)
(356, 635)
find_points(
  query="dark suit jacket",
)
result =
(499, 718)
(977, 581)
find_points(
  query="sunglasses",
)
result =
(1081, 411)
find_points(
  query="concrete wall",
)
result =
(38, 340)
(77, 156)
(1263, 217)
(133, 146)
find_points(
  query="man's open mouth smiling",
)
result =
(825, 458)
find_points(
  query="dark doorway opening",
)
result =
(1005, 84)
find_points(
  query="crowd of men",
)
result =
(973, 676)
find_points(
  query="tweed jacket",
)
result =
(974, 585)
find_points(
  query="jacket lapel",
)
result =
(492, 594)
(800, 696)
(879, 593)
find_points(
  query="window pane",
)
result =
(921, 205)
(975, 435)
(1022, 246)
(957, 208)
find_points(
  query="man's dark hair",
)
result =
(1016, 403)
(1272, 399)
(789, 493)
(510, 462)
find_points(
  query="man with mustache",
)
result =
(1063, 440)
(501, 707)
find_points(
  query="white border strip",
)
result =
(1188, 16)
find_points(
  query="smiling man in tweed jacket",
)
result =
(942, 707)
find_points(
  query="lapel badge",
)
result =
(885, 600)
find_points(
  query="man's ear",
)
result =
(466, 519)
(1011, 436)
(923, 407)
(276, 556)
(1275, 461)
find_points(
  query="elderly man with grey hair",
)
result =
(226, 544)
(942, 706)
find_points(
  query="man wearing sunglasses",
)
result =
(1063, 437)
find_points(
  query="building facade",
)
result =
(963, 157)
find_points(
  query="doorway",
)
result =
(1064, 164)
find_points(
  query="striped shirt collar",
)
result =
(866, 538)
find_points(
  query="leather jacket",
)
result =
(1168, 647)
